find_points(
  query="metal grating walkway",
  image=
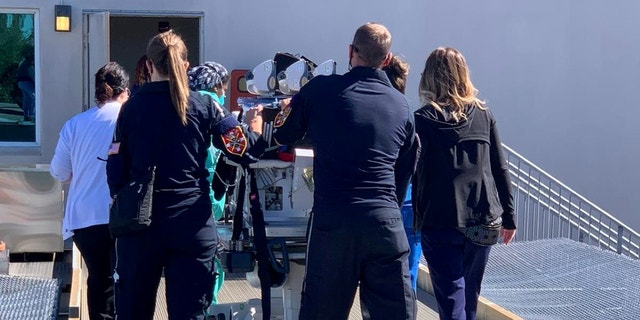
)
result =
(28, 298)
(562, 279)
(237, 289)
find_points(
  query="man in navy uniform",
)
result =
(362, 133)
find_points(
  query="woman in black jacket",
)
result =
(166, 126)
(461, 189)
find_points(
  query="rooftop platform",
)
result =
(562, 279)
(544, 279)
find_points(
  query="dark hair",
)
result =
(397, 70)
(141, 75)
(168, 54)
(111, 80)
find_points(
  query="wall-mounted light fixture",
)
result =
(63, 18)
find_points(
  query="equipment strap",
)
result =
(238, 216)
(260, 242)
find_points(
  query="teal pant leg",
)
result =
(219, 281)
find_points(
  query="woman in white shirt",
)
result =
(79, 159)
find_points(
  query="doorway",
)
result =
(123, 37)
(129, 37)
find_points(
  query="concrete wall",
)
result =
(559, 74)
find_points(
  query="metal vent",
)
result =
(28, 298)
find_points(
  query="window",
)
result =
(18, 71)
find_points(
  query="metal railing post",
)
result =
(619, 239)
(542, 200)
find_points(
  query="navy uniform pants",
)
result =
(348, 249)
(456, 267)
(184, 247)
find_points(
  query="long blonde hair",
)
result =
(168, 55)
(445, 82)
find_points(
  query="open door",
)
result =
(96, 50)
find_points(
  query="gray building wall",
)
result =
(560, 75)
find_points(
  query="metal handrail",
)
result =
(546, 209)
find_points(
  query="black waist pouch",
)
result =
(486, 234)
(130, 210)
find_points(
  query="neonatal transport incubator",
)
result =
(270, 230)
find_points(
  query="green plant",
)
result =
(16, 40)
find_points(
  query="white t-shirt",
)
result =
(83, 139)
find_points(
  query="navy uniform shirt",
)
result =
(150, 133)
(359, 127)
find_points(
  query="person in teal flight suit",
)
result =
(212, 79)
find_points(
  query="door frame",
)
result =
(92, 59)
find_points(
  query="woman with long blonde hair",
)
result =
(168, 127)
(462, 197)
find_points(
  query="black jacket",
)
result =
(363, 138)
(150, 133)
(462, 178)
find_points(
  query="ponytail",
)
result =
(178, 82)
(168, 54)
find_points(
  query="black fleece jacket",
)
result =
(462, 178)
